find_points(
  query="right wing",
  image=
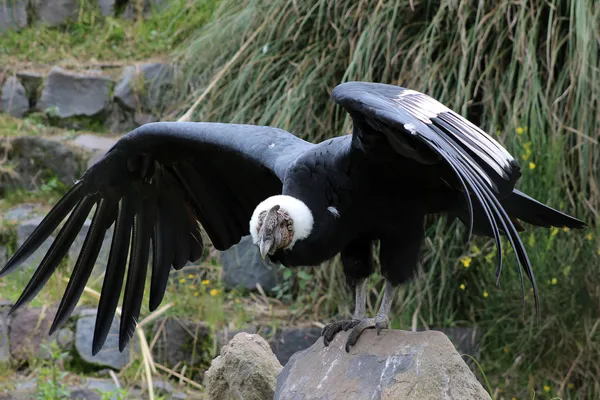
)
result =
(155, 185)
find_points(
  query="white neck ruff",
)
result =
(296, 209)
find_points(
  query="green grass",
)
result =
(93, 39)
(527, 72)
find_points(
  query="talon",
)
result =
(377, 328)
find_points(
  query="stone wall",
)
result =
(90, 98)
(18, 14)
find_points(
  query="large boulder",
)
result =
(37, 160)
(13, 15)
(29, 329)
(142, 88)
(71, 94)
(109, 355)
(244, 267)
(55, 12)
(246, 369)
(14, 97)
(182, 341)
(394, 365)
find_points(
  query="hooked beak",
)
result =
(265, 247)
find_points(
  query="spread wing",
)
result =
(419, 127)
(154, 185)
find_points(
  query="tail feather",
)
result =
(527, 209)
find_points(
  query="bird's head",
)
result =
(279, 222)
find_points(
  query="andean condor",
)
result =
(303, 203)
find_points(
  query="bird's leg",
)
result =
(380, 321)
(330, 330)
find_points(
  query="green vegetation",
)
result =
(93, 39)
(526, 72)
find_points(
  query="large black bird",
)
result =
(303, 203)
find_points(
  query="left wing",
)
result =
(419, 127)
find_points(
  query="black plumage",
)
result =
(408, 156)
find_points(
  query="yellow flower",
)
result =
(514, 398)
(193, 287)
(531, 165)
(466, 261)
(506, 349)
(485, 294)
(191, 276)
(205, 282)
(462, 286)
(571, 386)
(554, 231)
(237, 301)
(546, 388)
(214, 292)
(525, 156)
(520, 131)
(589, 236)
(196, 294)
(554, 281)
(182, 280)
(565, 229)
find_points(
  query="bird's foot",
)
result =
(357, 326)
(330, 330)
(379, 322)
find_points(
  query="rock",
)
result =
(101, 386)
(244, 267)
(37, 160)
(94, 145)
(176, 342)
(291, 340)
(14, 98)
(109, 356)
(13, 15)
(32, 81)
(29, 329)
(70, 94)
(107, 7)
(120, 120)
(142, 88)
(148, 7)
(24, 229)
(84, 394)
(64, 338)
(55, 12)
(246, 369)
(393, 365)
(4, 337)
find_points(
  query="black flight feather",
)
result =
(115, 273)
(46, 227)
(57, 251)
(85, 263)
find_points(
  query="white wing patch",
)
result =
(333, 211)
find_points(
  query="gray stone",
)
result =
(244, 267)
(55, 12)
(394, 365)
(14, 98)
(29, 329)
(101, 385)
(102, 260)
(36, 160)
(84, 394)
(289, 341)
(20, 212)
(24, 229)
(107, 7)
(13, 15)
(69, 94)
(4, 337)
(95, 146)
(32, 81)
(182, 341)
(120, 120)
(65, 338)
(143, 87)
(246, 369)
(109, 355)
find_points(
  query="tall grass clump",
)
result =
(528, 72)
